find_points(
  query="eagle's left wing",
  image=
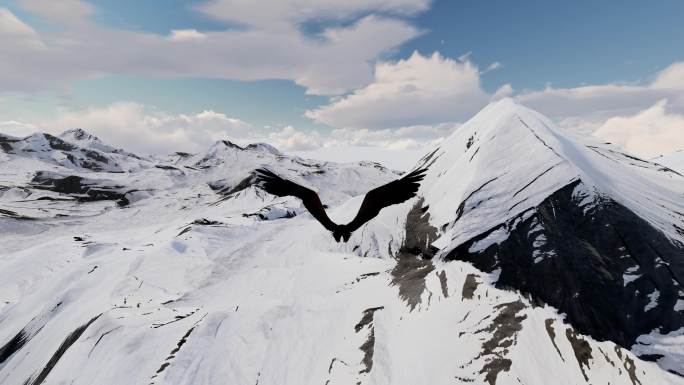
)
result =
(273, 184)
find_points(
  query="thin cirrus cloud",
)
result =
(269, 45)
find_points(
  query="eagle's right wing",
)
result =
(392, 193)
(273, 184)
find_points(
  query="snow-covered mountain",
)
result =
(530, 256)
(674, 161)
(74, 149)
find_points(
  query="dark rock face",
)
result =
(66, 344)
(6, 143)
(613, 274)
(58, 144)
(221, 187)
(504, 330)
(368, 347)
(78, 156)
(13, 345)
(85, 190)
(414, 258)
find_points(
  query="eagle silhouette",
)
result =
(392, 193)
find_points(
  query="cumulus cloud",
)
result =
(649, 133)
(141, 129)
(423, 91)
(504, 91)
(334, 61)
(398, 148)
(415, 91)
(290, 139)
(16, 128)
(670, 77)
(642, 118)
(609, 100)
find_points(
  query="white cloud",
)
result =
(649, 133)
(394, 138)
(186, 35)
(609, 99)
(72, 12)
(279, 14)
(402, 159)
(419, 91)
(16, 128)
(14, 32)
(290, 139)
(645, 119)
(415, 91)
(670, 77)
(333, 62)
(505, 90)
(140, 129)
(492, 67)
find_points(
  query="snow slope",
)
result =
(512, 158)
(567, 220)
(199, 277)
(674, 161)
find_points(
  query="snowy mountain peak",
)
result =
(263, 147)
(78, 134)
(83, 138)
(516, 158)
(73, 149)
(566, 219)
(226, 143)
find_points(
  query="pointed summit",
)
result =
(518, 157)
(78, 134)
(263, 147)
(85, 139)
(564, 218)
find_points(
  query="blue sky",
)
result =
(526, 47)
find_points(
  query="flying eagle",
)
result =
(392, 193)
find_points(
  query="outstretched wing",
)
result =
(273, 184)
(392, 193)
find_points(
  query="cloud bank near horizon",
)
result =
(409, 103)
